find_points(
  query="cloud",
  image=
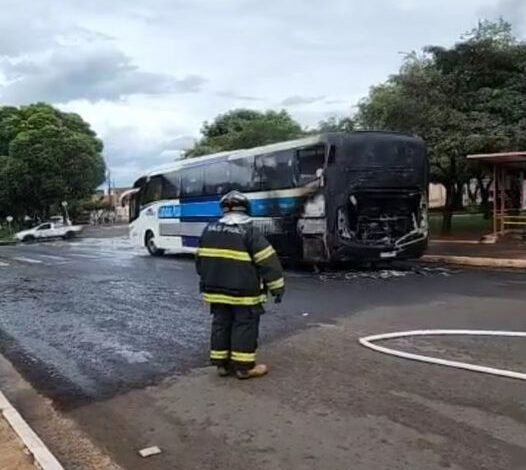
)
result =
(171, 155)
(20, 35)
(297, 100)
(135, 70)
(91, 73)
(513, 11)
(181, 143)
(130, 151)
(236, 96)
(334, 101)
(31, 27)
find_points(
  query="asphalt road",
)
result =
(118, 341)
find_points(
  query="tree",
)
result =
(334, 124)
(48, 156)
(466, 99)
(245, 128)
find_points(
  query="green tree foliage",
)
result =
(335, 124)
(245, 128)
(46, 156)
(469, 98)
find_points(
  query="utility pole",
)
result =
(114, 200)
(108, 180)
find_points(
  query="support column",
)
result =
(502, 198)
(495, 228)
(523, 192)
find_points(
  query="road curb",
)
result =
(7, 243)
(456, 242)
(476, 261)
(41, 454)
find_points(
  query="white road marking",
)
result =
(107, 254)
(23, 259)
(75, 252)
(55, 258)
(80, 255)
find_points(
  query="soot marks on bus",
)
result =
(376, 198)
(381, 218)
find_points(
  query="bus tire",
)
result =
(149, 241)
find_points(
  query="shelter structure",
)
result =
(509, 190)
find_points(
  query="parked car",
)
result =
(49, 230)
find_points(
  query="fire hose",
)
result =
(368, 342)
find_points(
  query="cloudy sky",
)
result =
(147, 73)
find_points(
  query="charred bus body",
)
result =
(375, 199)
(321, 199)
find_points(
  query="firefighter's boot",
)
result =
(257, 371)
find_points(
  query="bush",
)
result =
(5, 234)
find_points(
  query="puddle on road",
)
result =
(387, 274)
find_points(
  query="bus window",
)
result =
(275, 170)
(242, 174)
(310, 159)
(172, 185)
(217, 178)
(153, 190)
(135, 199)
(192, 182)
(134, 208)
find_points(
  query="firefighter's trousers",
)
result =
(235, 331)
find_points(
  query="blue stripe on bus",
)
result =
(201, 209)
(172, 211)
(190, 242)
(210, 209)
(276, 206)
(199, 219)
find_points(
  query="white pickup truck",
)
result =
(49, 230)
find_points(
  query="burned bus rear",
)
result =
(372, 204)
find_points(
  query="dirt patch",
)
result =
(13, 454)
(62, 436)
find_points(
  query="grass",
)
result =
(463, 224)
(5, 236)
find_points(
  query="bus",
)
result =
(359, 196)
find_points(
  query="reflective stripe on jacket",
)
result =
(236, 263)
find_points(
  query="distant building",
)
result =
(114, 202)
(121, 211)
(98, 195)
(437, 195)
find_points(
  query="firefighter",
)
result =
(237, 267)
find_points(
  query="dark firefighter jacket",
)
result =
(237, 264)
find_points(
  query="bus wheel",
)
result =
(151, 246)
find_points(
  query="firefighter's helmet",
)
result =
(235, 201)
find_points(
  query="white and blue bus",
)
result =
(330, 197)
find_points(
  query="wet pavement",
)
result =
(88, 319)
(93, 321)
